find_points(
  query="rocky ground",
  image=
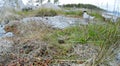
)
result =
(30, 52)
(26, 49)
(21, 43)
(56, 21)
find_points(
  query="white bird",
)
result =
(91, 18)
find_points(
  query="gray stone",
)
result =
(61, 40)
(118, 57)
(2, 31)
(9, 34)
(51, 6)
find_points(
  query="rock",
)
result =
(2, 31)
(61, 40)
(60, 22)
(6, 21)
(9, 34)
(13, 4)
(118, 59)
(65, 64)
(50, 6)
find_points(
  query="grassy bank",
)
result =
(104, 36)
(83, 34)
(40, 12)
(68, 43)
(64, 11)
